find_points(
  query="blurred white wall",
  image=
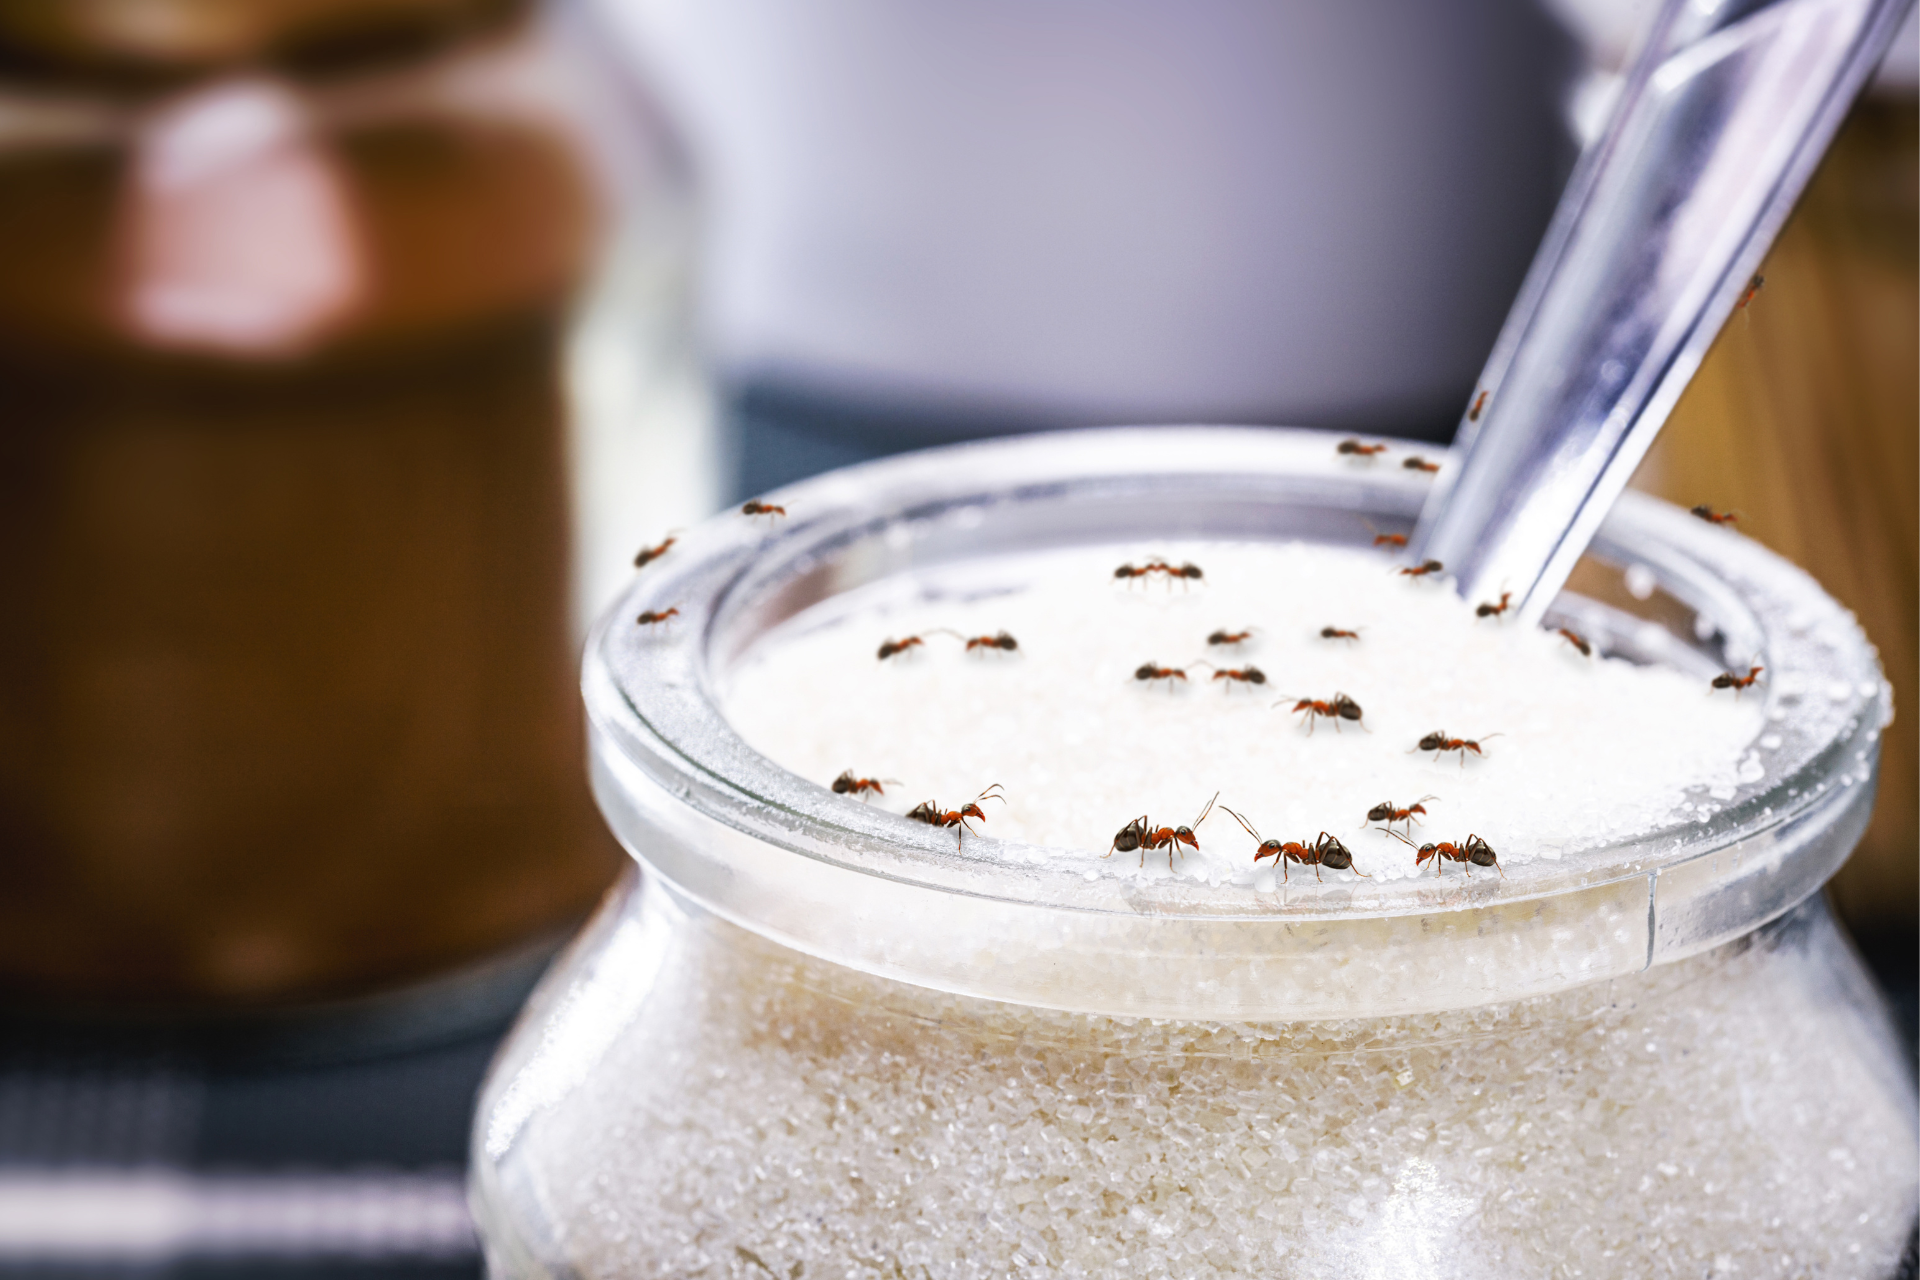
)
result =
(1061, 210)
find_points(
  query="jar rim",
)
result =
(738, 835)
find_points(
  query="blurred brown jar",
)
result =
(288, 700)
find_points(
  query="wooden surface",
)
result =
(1805, 418)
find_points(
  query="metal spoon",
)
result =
(1718, 127)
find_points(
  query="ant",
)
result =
(1491, 610)
(1154, 671)
(1230, 637)
(847, 784)
(647, 555)
(1386, 811)
(1747, 295)
(649, 618)
(1127, 572)
(1141, 834)
(1479, 403)
(1385, 539)
(1341, 707)
(1353, 448)
(1577, 640)
(1418, 463)
(1325, 851)
(1438, 742)
(1728, 680)
(1246, 675)
(929, 812)
(1422, 569)
(1188, 571)
(1001, 641)
(1337, 633)
(1469, 853)
(1711, 517)
(891, 646)
(758, 508)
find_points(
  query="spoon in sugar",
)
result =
(1717, 128)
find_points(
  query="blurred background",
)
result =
(350, 348)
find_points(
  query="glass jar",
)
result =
(290, 297)
(814, 1038)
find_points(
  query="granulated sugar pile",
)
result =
(750, 1113)
(1577, 751)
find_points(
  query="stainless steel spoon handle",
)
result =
(1727, 111)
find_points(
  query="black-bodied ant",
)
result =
(1150, 671)
(758, 508)
(1141, 834)
(1388, 812)
(890, 647)
(647, 555)
(1490, 610)
(847, 784)
(1424, 569)
(1339, 707)
(1439, 743)
(1577, 640)
(1243, 675)
(1000, 641)
(1324, 851)
(652, 617)
(1354, 449)
(1715, 517)
(930, 812)
(1224, 636)
(1479, 403)
(1418, 463)
(1469, 853)
(1736, 682)
(1338, 633)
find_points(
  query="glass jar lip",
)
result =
(741, 836)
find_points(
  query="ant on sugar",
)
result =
(1324, 851)
(847, 784)
(1469, 853)
(1488, 609)
(1577, 640)
(1735, 681)
(930, 812)
(1439, 743)
(1339, 633)
(1711, 516)
(1339, 707)
(1479, 403)
(1418, 463)
(1141, 834)
(1352, 448)
(1425, 569)
(652, 618)
(1388, 812)
(647, 555)
(758, 508)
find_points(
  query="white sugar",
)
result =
(1578, 751)
(755, 1113)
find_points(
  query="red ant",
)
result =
(1188, 571)
(1141, 834)
(890, 646)
(1386, 811)
(1422, 569)
(1577, 640)
(1479, 403)
(1418, 463)
(1747, 295)
(1438, 742)
(1229, 637)
(1341, 707)
(1353, 448)
(1153, 671)
(1128, 572)
(647, 555)
(1001, 641)
(929, 812)
(1246, 675)
(758, 508)
(1469, 853)
(1337, 633)
(847, 784)
(1385, 539)
(1325, 851)
(1491, 610)
(649, 618)
(1728, 680)
(1711, 517)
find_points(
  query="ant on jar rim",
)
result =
(1324, 850)
(1337, 708)
(930, 812)
(1141, 834)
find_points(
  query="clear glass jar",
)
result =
(815, 1038)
